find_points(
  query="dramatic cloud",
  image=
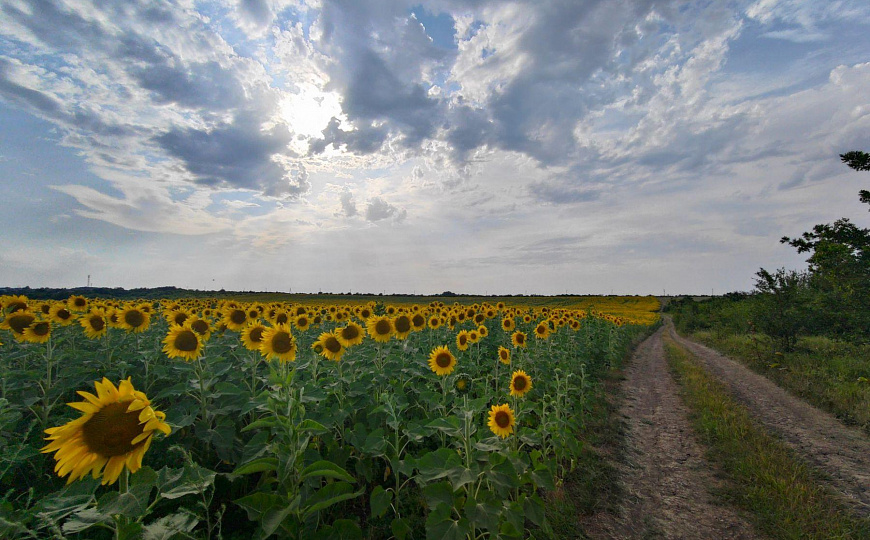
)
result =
(545, 135)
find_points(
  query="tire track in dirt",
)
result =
(666, 479)
(841, 452)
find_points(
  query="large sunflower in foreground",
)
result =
(441, 361)
(278, 342)
(115, 431)
(18, 322)
(182, 342)
(380, 328)
(520, 383)
(501, 420)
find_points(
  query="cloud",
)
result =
(378, 209)
(348, 206)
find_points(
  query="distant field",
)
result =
(641, 309)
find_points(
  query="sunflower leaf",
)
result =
(258, 465)
(380, 501)
(326, 469)
(328, 495)
(440, 493)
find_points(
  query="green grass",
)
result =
(832, 375)
(763, 476)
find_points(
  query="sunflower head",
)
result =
(38, 332)
(350, 335)
(134, 319)
(77, 303)
(279, 343)
(182, 342)
(235, 318)
(508, 324)
(434, 322)
(442, 361)
(501, 420)
(18, 322)
(463, 384)
(115, 431)
(380, 328)
(332, 348)
(519, 339)
(521, 383)
(462, 340)
(94, 323)
(504, 355)
(403, 326)
(252, 336)
(482, 331)
(60, 314)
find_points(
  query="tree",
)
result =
(839, 270)
(781, 309)
(860, 161)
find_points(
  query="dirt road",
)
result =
(841, 452)
(667, 480)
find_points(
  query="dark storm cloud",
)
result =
(237, 154)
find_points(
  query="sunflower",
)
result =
(94, 324)
(501, 420)
(61, 315)
(18, 322)
(483, 331)
(252, 336)
(133, 319)
(462, 339)
(115, 431)
(182, 342)
(508, 324)
(479, 318)
(14, 303)
(418, 321)
(434, 322)
(380, 328)
(442, 361)
(279, 343)
(504, 355)
(235, 318)
(542, 331)
(350, 335)
(332, 347)
(473, 336)
(280, 317)
(463, 384)
(527, 318)
(37, 332)
(200, 326)
(403, 326)
(518, 339)
(365, 313)
(302, 322)
(520, 383)
(177, 317)
(77, 303)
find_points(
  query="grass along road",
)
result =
(841, 452)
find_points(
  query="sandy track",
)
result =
(667, 480)
(843, 453)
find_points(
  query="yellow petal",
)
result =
(90, 397)
(84, 406)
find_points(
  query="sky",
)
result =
(476, 146)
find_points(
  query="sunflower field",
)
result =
(208, 418)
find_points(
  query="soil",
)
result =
(667, 482)
(842, 453)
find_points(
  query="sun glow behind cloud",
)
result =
(462, 144)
